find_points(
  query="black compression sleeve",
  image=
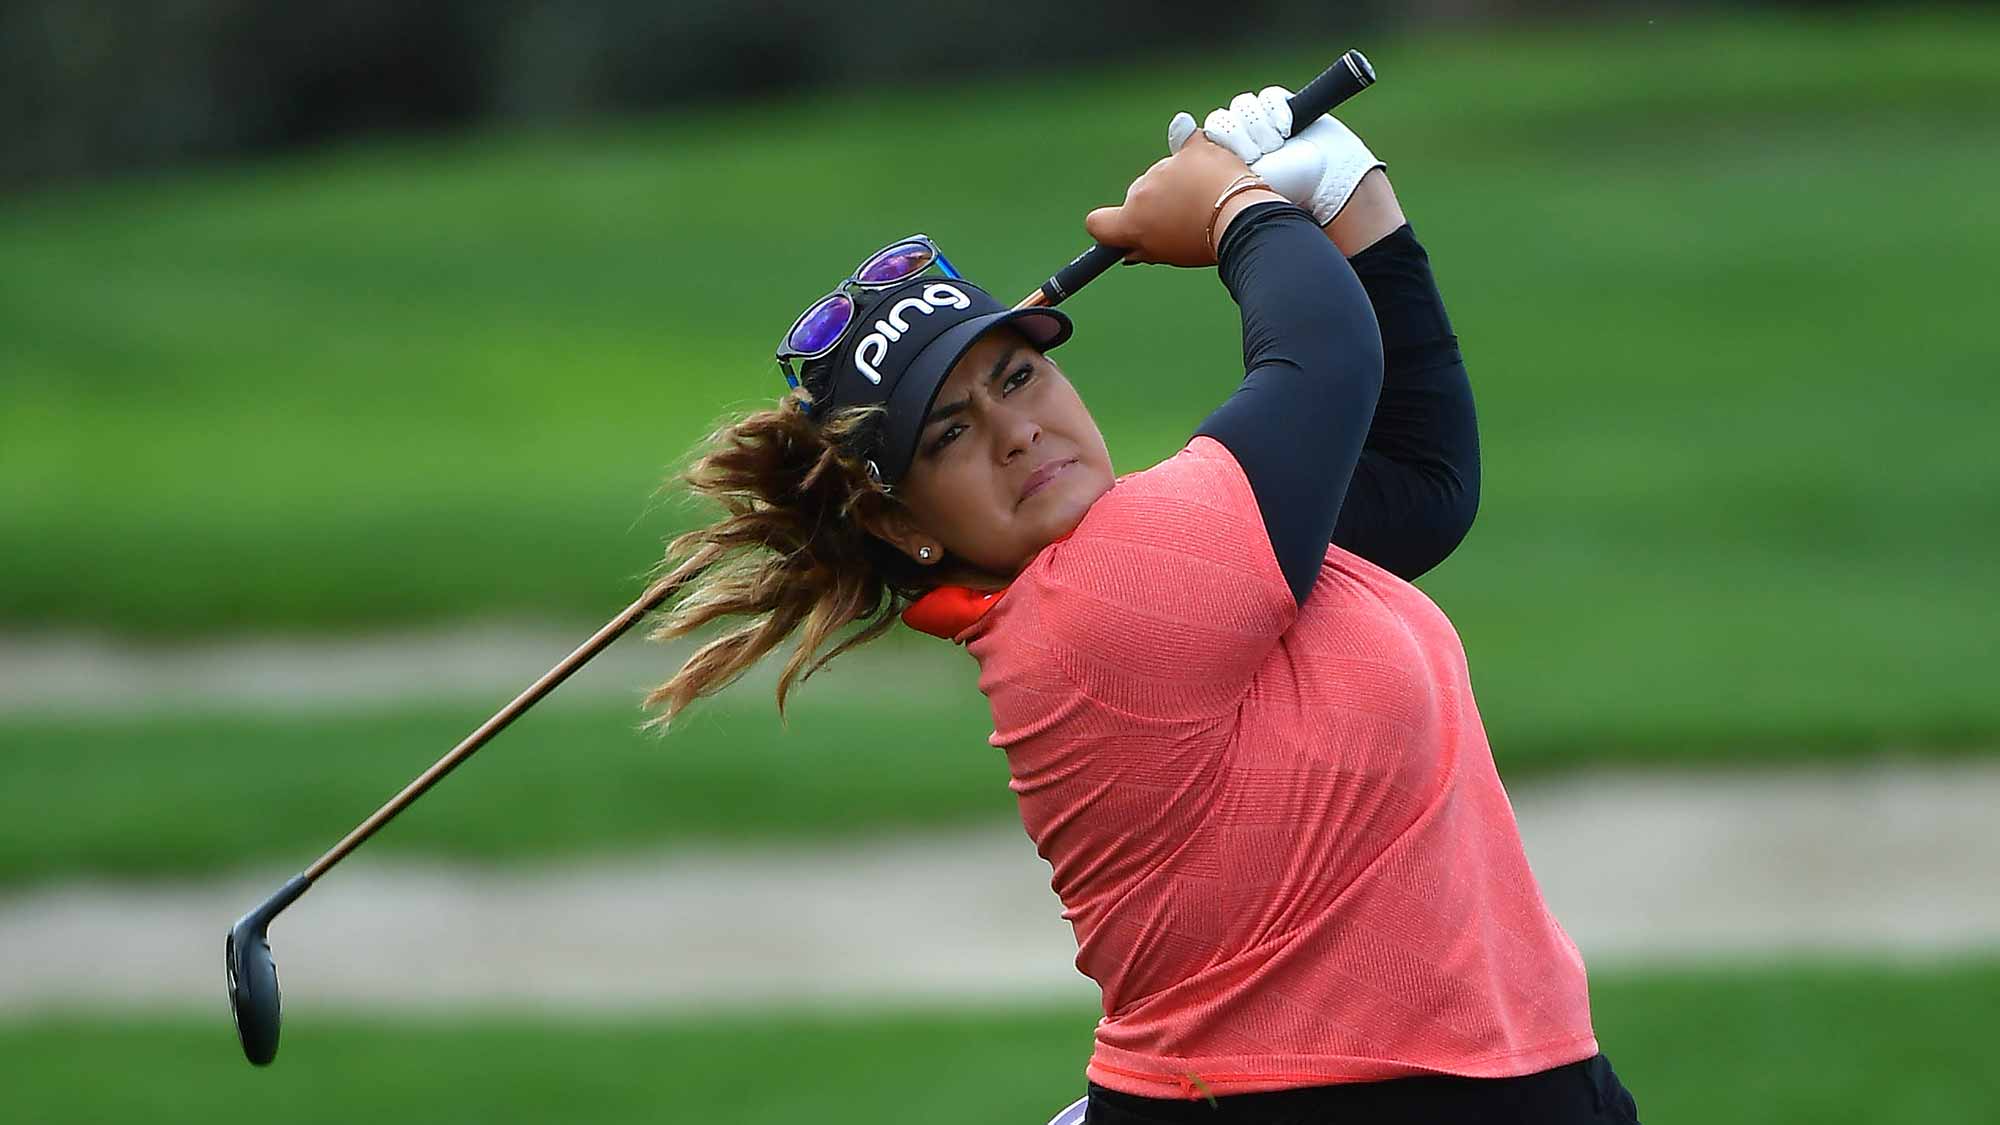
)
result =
(1416, 488)
(1312, 355)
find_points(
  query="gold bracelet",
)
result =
(1248, 181)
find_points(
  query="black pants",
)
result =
(1582, 1093)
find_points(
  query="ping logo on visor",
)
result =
(873, 349)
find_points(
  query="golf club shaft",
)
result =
(1350, 74)
(598, 642)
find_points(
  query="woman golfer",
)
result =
(1245, 744)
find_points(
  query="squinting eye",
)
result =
(945, 438)
(1019, 377)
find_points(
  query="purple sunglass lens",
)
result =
(821, 326)
(905, 259)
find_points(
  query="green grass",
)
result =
(191, 794)
(1716, 283)
(1816, 1046)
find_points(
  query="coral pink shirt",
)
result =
(1277, 830)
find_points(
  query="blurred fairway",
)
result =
(1817, 1045)
(1714, 283)
(1722, 288)
(159, 796)
(1740, 494)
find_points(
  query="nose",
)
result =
(1014, 431)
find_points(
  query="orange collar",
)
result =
(947, 611)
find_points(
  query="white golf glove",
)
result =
(1318, 169)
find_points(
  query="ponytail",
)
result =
(790, 552)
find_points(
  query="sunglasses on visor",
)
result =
(821, 327)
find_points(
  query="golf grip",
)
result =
(1350, 74)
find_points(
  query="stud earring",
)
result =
(924, 553)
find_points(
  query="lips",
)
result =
(1040, 478)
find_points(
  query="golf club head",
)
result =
(253, 976)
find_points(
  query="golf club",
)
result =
(251, 972)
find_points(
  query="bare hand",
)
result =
(1166, 209)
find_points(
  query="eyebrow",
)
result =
(944, 412)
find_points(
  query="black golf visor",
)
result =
(902, 348)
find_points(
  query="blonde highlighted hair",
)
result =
(790, 553)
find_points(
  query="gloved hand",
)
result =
(1318, 169)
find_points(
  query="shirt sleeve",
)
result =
(1416, 488)
(1166, 598)
(1312, 357)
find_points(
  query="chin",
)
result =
(1069, 499)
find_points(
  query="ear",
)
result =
(896, 528)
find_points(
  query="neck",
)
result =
(972, 578)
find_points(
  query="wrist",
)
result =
(1235, 205)
(1372, 213)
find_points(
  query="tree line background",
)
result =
(92, 87)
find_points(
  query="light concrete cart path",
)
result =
(1897, 860)
(68, 672)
